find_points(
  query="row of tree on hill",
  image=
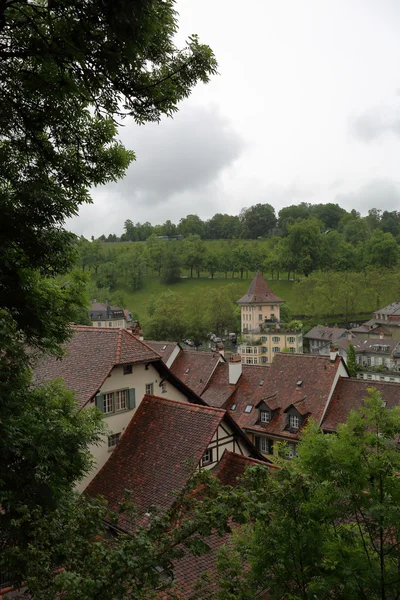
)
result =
(303, 250)
(261, 220)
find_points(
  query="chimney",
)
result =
(333, 352)
(235, 368)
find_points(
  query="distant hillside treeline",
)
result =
(302, 246)
(261, 220)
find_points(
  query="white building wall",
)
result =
(118, 422)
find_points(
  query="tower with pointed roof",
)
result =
(262, 333)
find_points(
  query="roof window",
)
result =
(187, 371)
(248, 408)
(261, 383)
(164, 347)
(299, 383)
(233, 407)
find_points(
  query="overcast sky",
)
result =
(306, 108)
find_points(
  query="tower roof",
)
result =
(259, 292)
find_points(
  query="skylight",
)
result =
(261, 382)
(164, 347)
(248, 408)
(233, 407)
(187, 371)
(299, 383)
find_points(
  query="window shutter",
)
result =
(257, 442)
(100, 402)
(132, 401)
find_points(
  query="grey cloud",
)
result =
(375, 123)
(177, 155)
(177, 171)
(379, 193)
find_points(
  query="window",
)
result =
(260, 317)
(248, 409)
(113, 440)
(121, 400)
(233, 407)
(249, 360)
(264, 445)
(292, 350)
(109, 324)
(259, 308)
(108, 403)
(99, 324)
(149, 388)
(276, 349)
(264, 338)
(265, 416)
(291, 340)
(112, 402)
(263, 349)
(264, 359)
(291, 451)
(255, 361)
(294, 421)
(127, 369)
(276, 339)
(207, 457)
(164, 388)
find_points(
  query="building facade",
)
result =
(262, 334)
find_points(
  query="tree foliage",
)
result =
(328, 524)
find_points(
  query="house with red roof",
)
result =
(163, 445)
(273, 403)
(262, 333)
(113, 370)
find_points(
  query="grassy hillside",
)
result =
(137, 301)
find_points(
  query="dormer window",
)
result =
(294, 421)
(265, 416)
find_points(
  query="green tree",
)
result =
(191, 225)
(193, 253)
(168, 321)
(171, 265)
(351, 361)
(381, 250)
(68, 71)
(327, 524)
(304, 245)
(257, 221)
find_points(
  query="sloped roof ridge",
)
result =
(144, 343)
(249, 459)
(259, 292)
(188, 405)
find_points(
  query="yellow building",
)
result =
(262, 334)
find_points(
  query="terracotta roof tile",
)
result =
(349, 395)
(232, 467)
(156, 455)
(221, 393)
(195, 368)
(164, 349)
(259, 292)
(90, 354)
(325, 334)
(280, 391)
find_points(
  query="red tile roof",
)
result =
(280, 391)
(156, 455)
(164, 349)
(90, 354)
(349, 395)
(232, 467)
(221, 394)
(259, 292)
(325, 334)
(195, 368)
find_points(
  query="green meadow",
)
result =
(137, 301)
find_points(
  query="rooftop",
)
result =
(259, 292)
(327, 334)
(90, 354)
(195, 368)
(157, 454)
(349, 395)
